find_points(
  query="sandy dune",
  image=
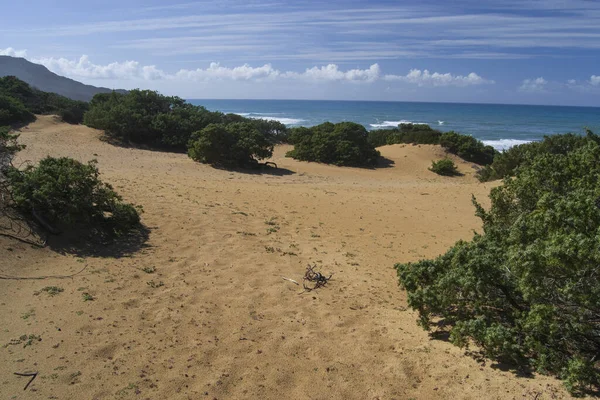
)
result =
(216, 319)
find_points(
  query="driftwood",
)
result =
(316, 278)
(33, 375)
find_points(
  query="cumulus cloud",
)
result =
(426, 78)
(84, 68)
(9, 51)
(216, 71)
(595, 80)
(332, 72)
(533, 85)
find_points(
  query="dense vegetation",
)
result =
(238, 144)
(464, 146)
(527, 290)
(344, 144)
(405, 133)
(147, 117)
(445, 167)
(65, 194)
(19, 101)
(506, 163)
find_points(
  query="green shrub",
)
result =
(37, 102)
(238, 144)
(444, 167)
(381, 137)
(506, 163)
(147, 117)
(67, 193)
(527, 290)
(405, 133)
(8, 148)
(343, 144)
(468, 148)
(12, 111)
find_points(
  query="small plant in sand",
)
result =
(53, 290)
(155, 285)
(445, 167)
(149, 270)
(87, 297)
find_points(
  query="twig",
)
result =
(33, 375)
(291, 280)
(19, 278)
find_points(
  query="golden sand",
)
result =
(216, 319)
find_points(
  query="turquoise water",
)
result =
(496, 124)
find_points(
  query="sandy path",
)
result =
(224, 324)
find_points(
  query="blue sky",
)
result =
(504, 51)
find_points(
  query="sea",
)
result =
(498, 125)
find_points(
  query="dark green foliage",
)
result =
(238, 144)
(147, 117)
(343, 144)
(381, 137)
(67, 193)
(405, 133)
(8, 148)
(444, 167)
(506, 163)
(37, 102)
(468, 148)
(12, 111)
(527, 290)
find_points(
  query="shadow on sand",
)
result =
(89, 244)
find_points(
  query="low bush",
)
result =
(444, 167)
(405, 133)
(526, 290)
(67, 194)
(149, 118)
(343, 144)
(12, 111)
(238, 144)
(468, 148)
(506, 163)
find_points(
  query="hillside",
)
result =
(200, 309)
(43, 79)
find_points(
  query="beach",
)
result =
(200, 308)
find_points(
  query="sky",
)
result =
(502, 51)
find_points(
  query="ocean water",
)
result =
(498, 125)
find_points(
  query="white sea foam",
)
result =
(503, 144)
(394, 124)
(283, 120)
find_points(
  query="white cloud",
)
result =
(533, 85)
(331, 72)
(84, 68)
(216, 71)
(595, 80)
(426, 78)
(13, 53)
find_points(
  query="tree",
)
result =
(527, 290)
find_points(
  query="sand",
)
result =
(215, 319)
